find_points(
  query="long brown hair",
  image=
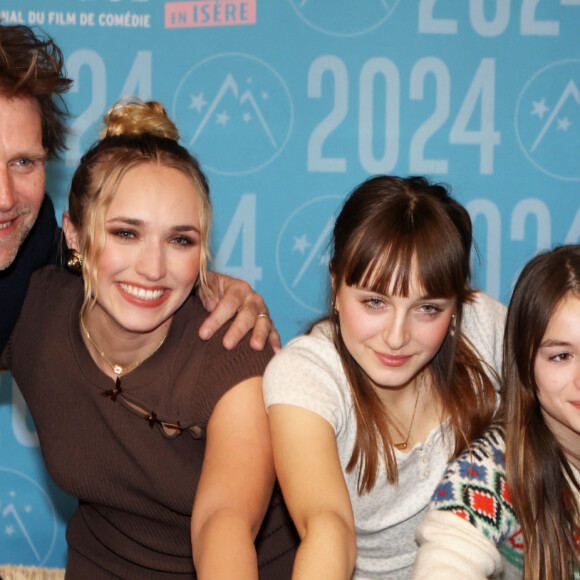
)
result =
(540, 479)
(386, 225)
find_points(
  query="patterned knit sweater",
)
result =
(485, 541)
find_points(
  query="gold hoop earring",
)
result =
(74, 261)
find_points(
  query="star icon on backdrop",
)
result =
(300, 244)
(540, 108)
(9, 530)
(197, 102)
(247, 117)
(222, 118)
(563, 124)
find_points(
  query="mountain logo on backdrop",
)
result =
(548, 119)
(235, 113)
(344, 17)
(27, 519)
(302, 252)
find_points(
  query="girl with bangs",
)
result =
(369, 406)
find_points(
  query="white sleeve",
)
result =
(483, 324)
(450, 548)
(307, 373)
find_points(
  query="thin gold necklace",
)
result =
(118, 369)
(403, 445)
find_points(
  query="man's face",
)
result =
(22, 173)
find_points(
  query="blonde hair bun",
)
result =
(130, 116)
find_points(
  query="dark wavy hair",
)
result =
(541, 482)
(32, 65)
(387, 226)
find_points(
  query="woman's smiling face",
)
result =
(390, 336)
(151, 256)
(557, 371)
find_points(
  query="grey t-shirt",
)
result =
(308, 373)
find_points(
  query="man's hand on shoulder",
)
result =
(232, 297)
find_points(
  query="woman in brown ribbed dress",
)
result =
(162, 437)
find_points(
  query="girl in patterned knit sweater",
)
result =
(516, 490)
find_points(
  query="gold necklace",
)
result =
(403, 445)
(118, 369)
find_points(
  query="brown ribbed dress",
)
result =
(135, 484)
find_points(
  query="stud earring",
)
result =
(74, 261)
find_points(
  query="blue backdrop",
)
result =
(289, 104)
